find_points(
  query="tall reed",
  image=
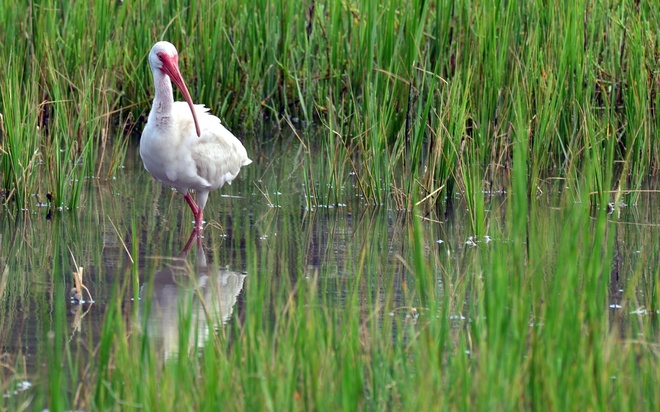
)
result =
(412, 90)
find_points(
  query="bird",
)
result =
(182, 144)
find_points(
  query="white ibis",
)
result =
(186, 152)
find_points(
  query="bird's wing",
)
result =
(218, 154)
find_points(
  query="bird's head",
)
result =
(164, 57)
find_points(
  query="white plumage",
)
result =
(183, 145)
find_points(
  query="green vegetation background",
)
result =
(417, 96)
(415, 101)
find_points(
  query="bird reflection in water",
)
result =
(201, 293)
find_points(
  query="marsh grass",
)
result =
(414, 91)
(520, 322)
(391, 103)
(395, 320)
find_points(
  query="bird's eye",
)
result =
(160, 57)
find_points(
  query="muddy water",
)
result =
(130, 233)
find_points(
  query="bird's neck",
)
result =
(164, 98)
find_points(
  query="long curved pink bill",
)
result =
(172, 69)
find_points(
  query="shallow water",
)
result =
(132, 218)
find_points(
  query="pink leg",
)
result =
(197, 212)
(199, 219)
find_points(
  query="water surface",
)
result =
(130, 232)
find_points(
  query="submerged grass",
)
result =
(343, 308)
